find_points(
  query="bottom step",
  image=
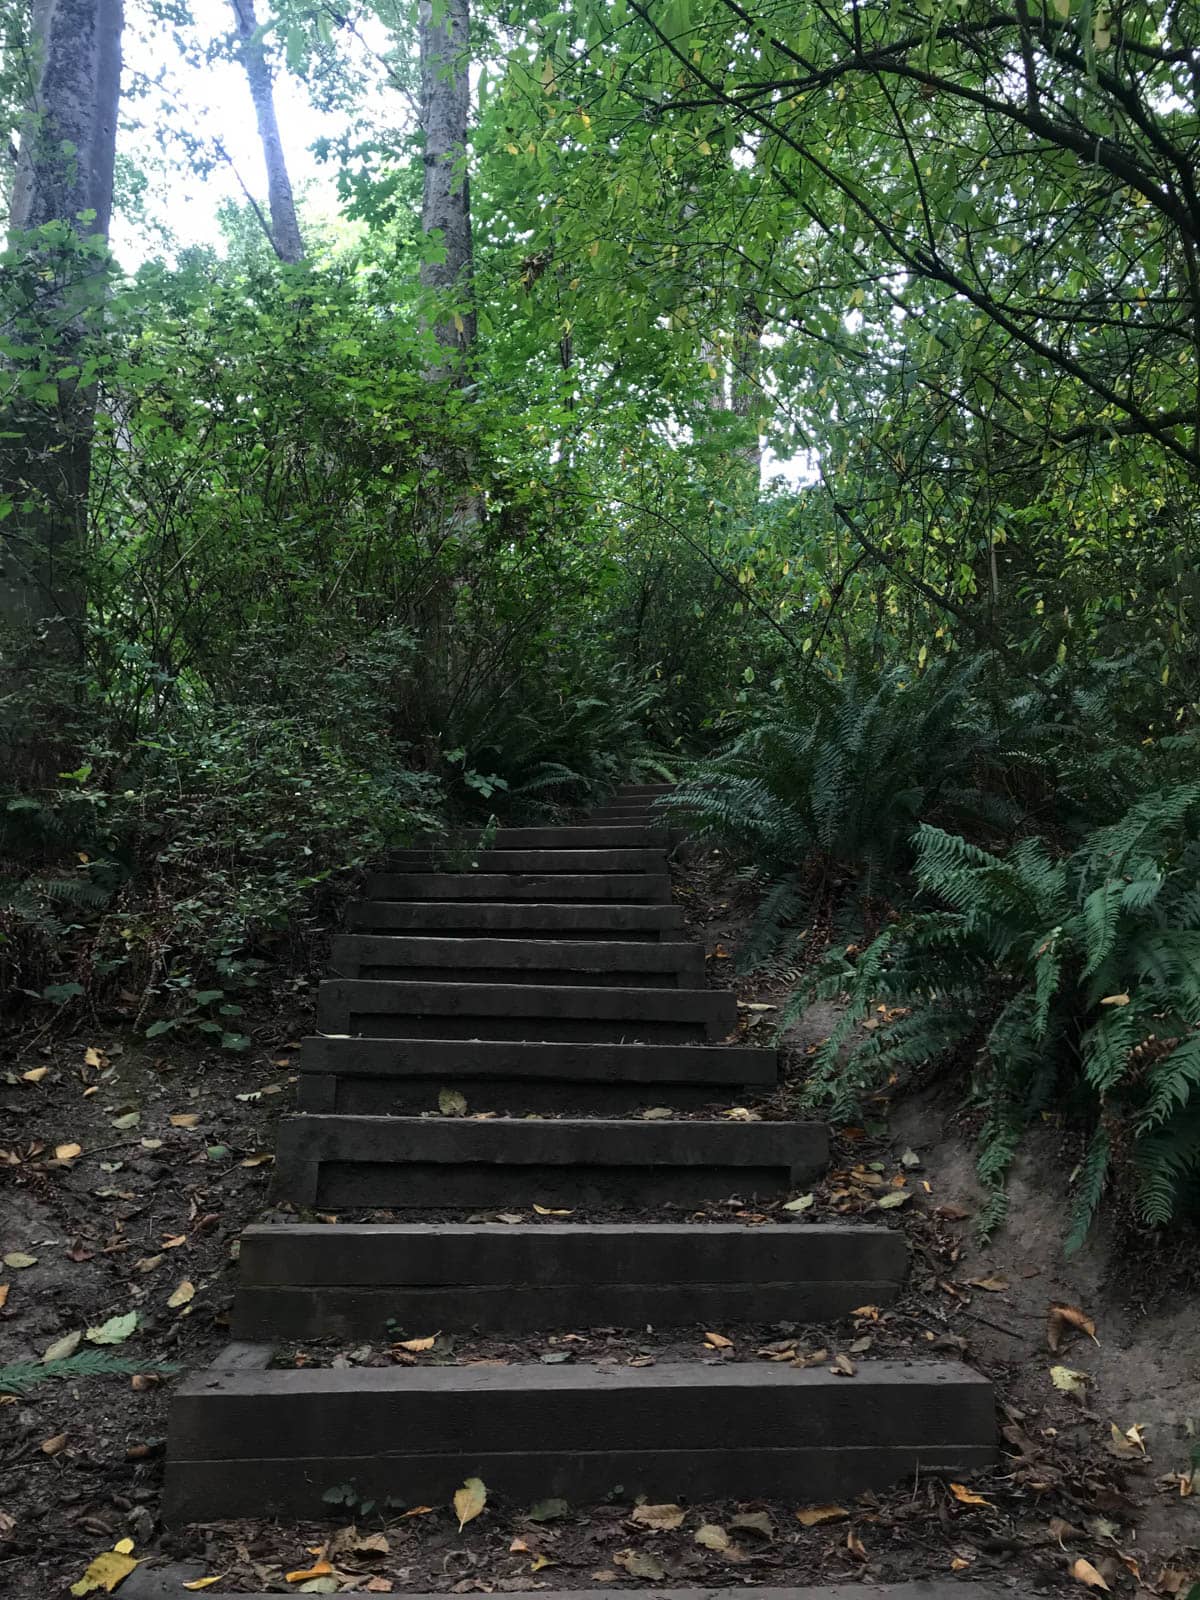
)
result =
(160, 1584)
(245, 1442)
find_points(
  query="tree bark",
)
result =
(285, 234)
(64, 175)
(446, 203)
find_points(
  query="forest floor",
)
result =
(130, 1168)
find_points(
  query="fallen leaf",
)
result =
(67, 1152)
(855, 1546)
(548, 1510)
(115, 1331)
(718, 1341)
(416, 1345)
(755, 1522)
(711, 1536)
(1068, 1381)
(549, 1211)
(92, 1057)
(540, 1561)
(910, 1159)
(965, 1497)
(319, 1569)
(129, 1119)
(1113, 1000)
(661, 1518)
(417, 1511)
(172, 1241)
(183, 1292)
(995, 1285)
(185, 1119)
(802, 1203)
(451, 1103)
(51, 1447)
(64, 1347)
(842, 1366)
(203, 1583)
(657, 1113)
(518, 1547)
(1062, 1318)
(959, 1564)
(109, 1569)
(814, 1516)
(894, 1198)
(511, 1217)
(641, 1564)
(18, 1260)
(35, 1074)
(4, 1288)
(261, 1158)
(469, 1501)
(1084, 1572)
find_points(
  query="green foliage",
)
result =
(1074, 979)
(20, 1377)
(842, 768)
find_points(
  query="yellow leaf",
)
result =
(4, 1288)
(1115, 1000)
(718, 1341)
(813, 1516)
(549, 1211)
(319, 1569)
(92, 1057)
(35, 1074)
(459, 324)
(469, 1501)
(185, 1119)
(661, 1518)
(1084, 1572)
(204, 1583)
(1061, 1318)
(964, 1496)
(1068, 1381)
(416, 1345)
(109, 1569)
(181, 1294)
(67, 1152)
(712, 1537)
(539, 1562)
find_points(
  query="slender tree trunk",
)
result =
(285, 229)
(747, 396)
(446, 204)
(64, 175)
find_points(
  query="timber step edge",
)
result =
(655, 924)
(558, 859)
(404, 1076)
(391, 1008)
(679, 1430)
(435, 1163)
(624, 887)
(160, 1583)
(481, 960)
(312, 1281)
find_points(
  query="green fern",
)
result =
(1061, 986)
(21, 1376)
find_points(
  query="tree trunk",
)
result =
(446, 204)
(285, 229)
(64, 175)
(747, 394)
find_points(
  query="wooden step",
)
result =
(610, 963)
(506, 920)
(606, 859)
(357, 1282)
(399, 1077)
(640, 791)
(394, 1009)
(594, 887)
(264, 1443)
(157, 1583)
(582, 836)
(437, 1163)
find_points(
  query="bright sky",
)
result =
(212, 103)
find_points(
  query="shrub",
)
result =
(1076, 978)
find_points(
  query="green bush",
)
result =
(1074, 982)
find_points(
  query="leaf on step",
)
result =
(185, 1119)
(657, 1113)
(814, 1516)
(893, 1199)
(183, 1291)
(469, 1501)
(801, 1203)
(661, 1518)
(995, 1285)
(855, 1546)
(19, 1259)
(718, 1341)
(540, 1561)
(1084, 1572)
(319, 1569)
(755, 1522)
(452, 1103)
(109, 1569)
(204, 1583)
(67, 1152)
(35, 1074)
(712, 1537)
(641, 1564)
(550, 1211)
(1062, 1319)
(416, 1345)
(910, 1159)
(842, 1367)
